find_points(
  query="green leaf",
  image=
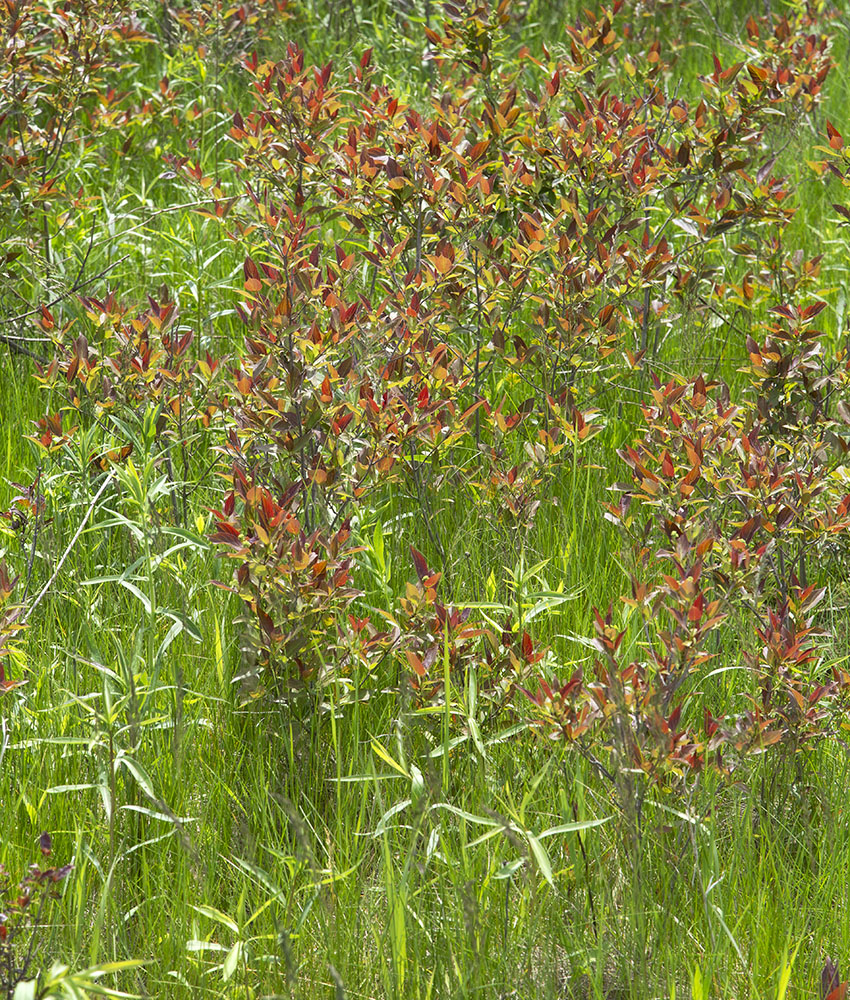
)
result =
(194, 945)
(470, 817)
(134, 590)
(232, 961)
(388, 815)
(541, 857)
(142, 777)
(488, 835)
(573, 827)
(475, 733)
(509, 868)
(153, 814)
(387, 759)
(378, 547)
(170, 636)
(506, 734)
(697, 988)
(455, 741)
(262, 877)
(785, 976)
(218, 916)
(186, 622)
(58, 789)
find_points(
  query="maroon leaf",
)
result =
(829, 979)
(419, 562)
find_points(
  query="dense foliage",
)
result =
(425, 527)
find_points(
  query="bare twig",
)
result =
(75, 287)
(31, 561)
(28, 612)
(17, 348)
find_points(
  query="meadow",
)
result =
(424, 499)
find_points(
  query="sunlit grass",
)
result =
(321, 844)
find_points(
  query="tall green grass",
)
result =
(317, 847)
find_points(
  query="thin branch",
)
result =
(150, 218)
(17, 348)
(31, 561)
(68, 291)
(28, 612)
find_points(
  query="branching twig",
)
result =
(28, 612)
(68, 292)
(17, 348)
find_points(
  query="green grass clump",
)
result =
(238, 828)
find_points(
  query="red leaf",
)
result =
(415, 662)
(420, 563)
(267, 625)
(835, 139)
(100, 463)
(829, 981)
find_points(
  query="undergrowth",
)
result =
(424, 514)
